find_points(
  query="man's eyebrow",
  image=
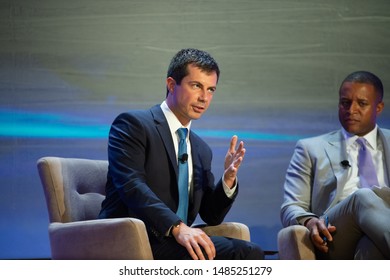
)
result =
(200, 83)
(195, 82)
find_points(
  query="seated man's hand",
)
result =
(194, 239)
(319, 231)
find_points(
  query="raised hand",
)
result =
(233, 160)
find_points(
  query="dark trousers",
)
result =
(226, 248)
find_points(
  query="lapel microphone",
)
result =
(183, 158)
(345, 163)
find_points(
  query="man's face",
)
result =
(190, 99)
(359, 105)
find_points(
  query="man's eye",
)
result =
(363, 103)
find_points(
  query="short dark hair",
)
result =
(366, 77)
(178, 67)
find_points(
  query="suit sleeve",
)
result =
(297, 186)
(215, 204)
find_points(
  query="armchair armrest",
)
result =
(227, 229)
(294, 243)
(120, 238)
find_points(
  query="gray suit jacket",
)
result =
(315, 177)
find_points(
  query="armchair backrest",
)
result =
(74, 188)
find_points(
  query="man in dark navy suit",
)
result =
(143, 168)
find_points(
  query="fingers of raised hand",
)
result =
(233, 143)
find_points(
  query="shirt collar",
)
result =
(371, 137)
(173, 123)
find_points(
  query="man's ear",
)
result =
(379, 107)
(171, 83)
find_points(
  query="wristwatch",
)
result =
(175, 225)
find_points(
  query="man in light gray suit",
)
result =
(323, 183)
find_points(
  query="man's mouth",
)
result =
(352, 121)
(198, 109)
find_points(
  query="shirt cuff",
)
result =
(229, 191)
(302, 221)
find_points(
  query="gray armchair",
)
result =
(74, 189)
(294, 244)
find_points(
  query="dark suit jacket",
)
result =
(142, 175)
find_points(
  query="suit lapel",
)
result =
(195, 164)
(165, 134)
(199, 178)
(336, 153)
(386, 149)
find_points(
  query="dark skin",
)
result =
(359, 106)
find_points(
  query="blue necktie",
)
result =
(367, 173)
(182, 210)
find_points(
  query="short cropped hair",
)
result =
(178, 66)
(366, 77)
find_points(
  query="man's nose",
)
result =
(204, 95)
(353, 107)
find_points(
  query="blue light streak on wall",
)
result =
(43, 125)
(25, 124)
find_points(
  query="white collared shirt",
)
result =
(174, 124)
